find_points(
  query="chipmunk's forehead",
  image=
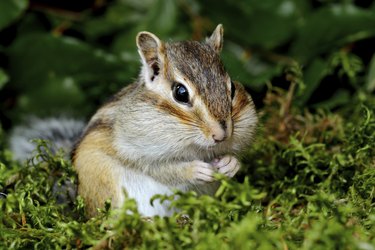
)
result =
(197, 61)
(202, 66)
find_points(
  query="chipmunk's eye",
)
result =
(232, 90)
(180, 93)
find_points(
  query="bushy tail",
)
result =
(61, 132)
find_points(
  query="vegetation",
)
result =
(308, 181)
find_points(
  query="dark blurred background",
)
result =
(65, 57)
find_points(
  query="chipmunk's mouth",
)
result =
(204, 147)
(217, 148)
(211, 146)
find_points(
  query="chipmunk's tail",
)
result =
(60, 132)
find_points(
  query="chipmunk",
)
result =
(179, 123)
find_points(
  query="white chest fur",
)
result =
(142, 188)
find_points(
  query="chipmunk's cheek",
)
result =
(204, 138)
(212, 135)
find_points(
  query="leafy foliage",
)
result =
(12, 11)
(56, 51)
(308, 182)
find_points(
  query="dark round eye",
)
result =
(232, 90)
(180, 93)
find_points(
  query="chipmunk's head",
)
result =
(188, 82)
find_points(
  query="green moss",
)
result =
(298, 190)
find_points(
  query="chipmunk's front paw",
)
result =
(202, 172)
(227, 165)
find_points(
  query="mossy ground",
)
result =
(308, 182)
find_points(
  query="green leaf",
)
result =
(119, 16)
(347, 64)
(331, 27)
(313, 74)
(59, 95)
(4, 78)
(263, 24)
(11, 10)
(370, 85)
(124, 45)
(31, 68)
(158, 16)
(162, 17)
(61, 56)
(250, 70)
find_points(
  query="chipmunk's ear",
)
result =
(149, 47)
(216, 39)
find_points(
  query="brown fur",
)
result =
(96, 156)
(241, 101)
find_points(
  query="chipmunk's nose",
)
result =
(219, 137)
(220, 133)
